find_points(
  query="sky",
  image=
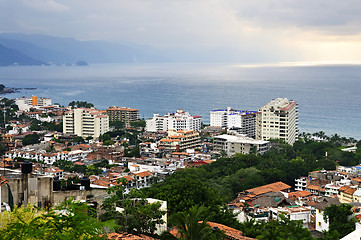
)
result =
(244, 30)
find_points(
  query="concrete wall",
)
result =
(94, 194)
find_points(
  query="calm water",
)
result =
(329, 97)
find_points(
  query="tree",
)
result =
(284, 228)
(340, 220)
(31, 139)
(81, 104)
(69, 220)
(78, 139)
(136, 215)
(105, 137)
(137, 124)
(116, 124)
(192, 225)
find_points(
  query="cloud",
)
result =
(268, 30)
(46, 5)
(325, 16)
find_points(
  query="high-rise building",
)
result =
(123, 114)
(85, 122)
(229, 118)
(278, 120)
(179, 120)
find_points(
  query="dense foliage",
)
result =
(218, 183)
(277, 229)
(70, 220)
(31, 139)
(192, 225)
(340, 218)
(134, 214)
(80, 104)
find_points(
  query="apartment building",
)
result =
(232, 144)
(180, 140)
(230, 118)
(179, 120)
(124, 114)
(278, 119)
(85, 122)
(25, 104)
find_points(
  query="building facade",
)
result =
(180, 140)
(85, 122)
(278, 119)
(25, 104)
(232, 144)
(230, 118)
(123, 114)
(180, 120)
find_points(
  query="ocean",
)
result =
(329, 96)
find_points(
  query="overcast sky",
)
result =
(262, 30)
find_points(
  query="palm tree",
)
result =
(190, 226)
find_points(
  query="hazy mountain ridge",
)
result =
(47, 49)
(11, 57)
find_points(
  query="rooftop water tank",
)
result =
(56, 184)
(27, 167)
(85, 182)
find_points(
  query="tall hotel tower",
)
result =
(278, 119)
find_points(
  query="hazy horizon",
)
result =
(213, 30)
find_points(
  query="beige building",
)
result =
(25, 104)
(85, 122)
(180, 140)
(233, 144)
(123, 114)
(278, 120)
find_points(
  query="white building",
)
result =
(25, 104)
(85, 122)
(179, 120)
(232, 144)
(278, 120)
(294, 213)
(301, 184)
(321, 223)
(230, 118)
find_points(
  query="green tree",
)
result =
(192, 225)
(31, 139)
(116, 124)
(78, 139)
(69, 220)
(136, 215)
(340, 220)
(137, 124)
(284, 228)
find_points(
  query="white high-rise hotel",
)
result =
(179, 120)
(230, 118)
(85, 122)
(278, 120)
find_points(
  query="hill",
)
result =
(59, 50)
(9, 57)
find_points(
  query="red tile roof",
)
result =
(347, 190)
(230, 232)
(273, 187)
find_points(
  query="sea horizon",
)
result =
(327, 93)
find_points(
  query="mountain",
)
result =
(9, 57)
(61, 50)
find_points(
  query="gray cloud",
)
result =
(326, 16)
(262, 29)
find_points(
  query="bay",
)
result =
(329, 96)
